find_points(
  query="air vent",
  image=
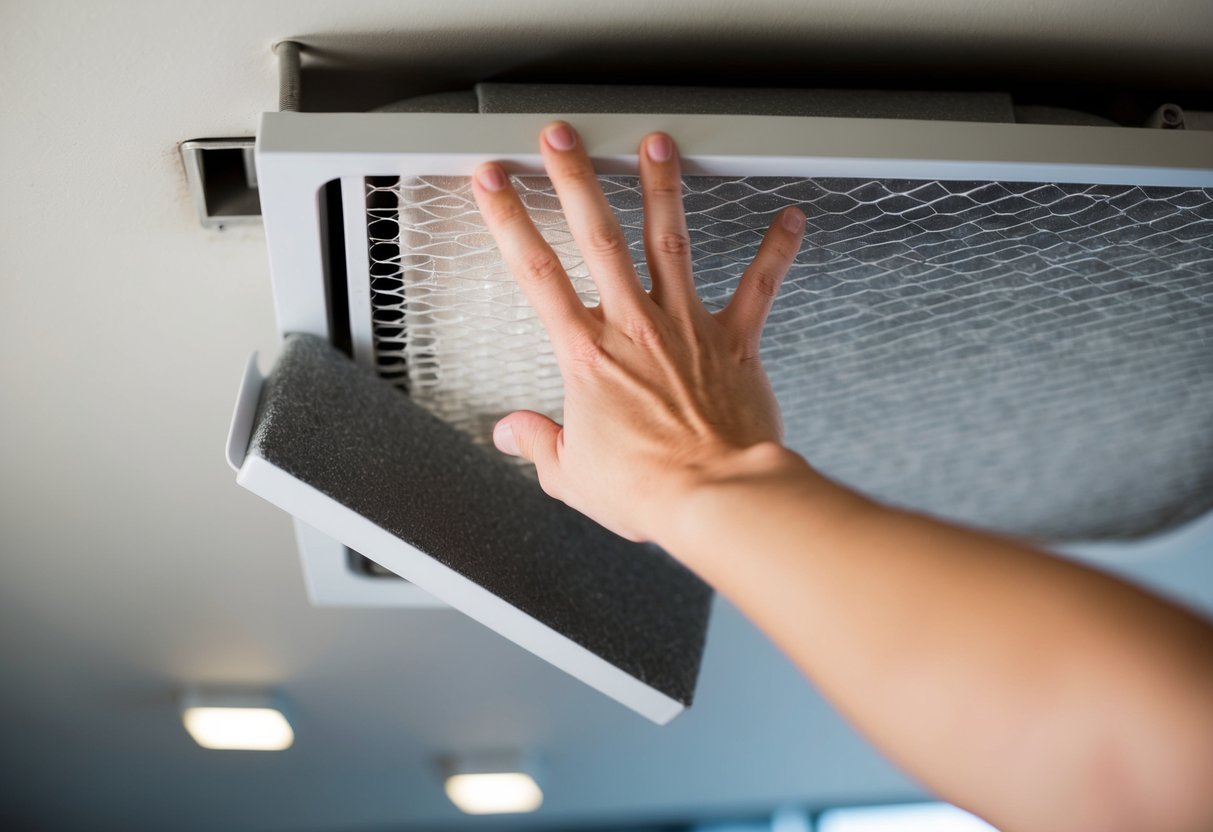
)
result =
(1005, 324)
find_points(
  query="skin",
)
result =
(1035, 692)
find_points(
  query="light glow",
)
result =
(912, 817)
(242, 729)
(494, 793)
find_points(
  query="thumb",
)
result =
(531, 436)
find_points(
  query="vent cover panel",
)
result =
(374, 470)
(1035, 358)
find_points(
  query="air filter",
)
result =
(471, 529)
(1025, 356)
(1004, 324)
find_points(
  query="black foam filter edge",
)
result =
(336, 447)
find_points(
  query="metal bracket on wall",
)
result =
(222, 179)
(222, 173)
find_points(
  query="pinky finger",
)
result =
(747, 312)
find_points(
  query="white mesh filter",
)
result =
(450, 319)
(1032, 357)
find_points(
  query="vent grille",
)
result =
(1035, 358)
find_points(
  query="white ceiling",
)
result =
(131, 563)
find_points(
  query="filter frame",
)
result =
(298, 154)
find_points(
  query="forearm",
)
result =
(990, 671)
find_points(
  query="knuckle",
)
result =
(765, 282)
(781, 247)
(604, 240)
(643, 331)
(666, 188)
(539, 266)
(673, 243)
(748, 349)
(578, 174)
(585, 351)
(506, 211)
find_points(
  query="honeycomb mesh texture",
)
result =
(1032, 358)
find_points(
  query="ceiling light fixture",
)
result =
(910, 817)
(236, 722)
(492, 784)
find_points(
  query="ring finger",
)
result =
(591, 220)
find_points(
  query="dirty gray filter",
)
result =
(344, 432)
(1033, 358)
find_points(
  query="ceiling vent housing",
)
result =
(1007, 324)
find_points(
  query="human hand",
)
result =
(660, 393)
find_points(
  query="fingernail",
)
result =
(491, 178)
(660, 148)
(503, 438)
(560, 136)
(793, 220)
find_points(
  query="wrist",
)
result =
(763, 460)
(719, 484)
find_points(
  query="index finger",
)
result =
(530, 259)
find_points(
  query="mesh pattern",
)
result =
(1034, 358)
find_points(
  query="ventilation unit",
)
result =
(1005, 324)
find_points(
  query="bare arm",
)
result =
(1035, 692)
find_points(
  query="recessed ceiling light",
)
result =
(492, 784)
(494, 793)
(913, 817)
(237, 722)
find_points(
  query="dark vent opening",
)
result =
(332, 233)
(230, 182)
(362, 565)
(384, 260)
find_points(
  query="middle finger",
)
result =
(667, 245)
(591, 220)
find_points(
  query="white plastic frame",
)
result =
(327, 574)
(331, 582)
(298, 153)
